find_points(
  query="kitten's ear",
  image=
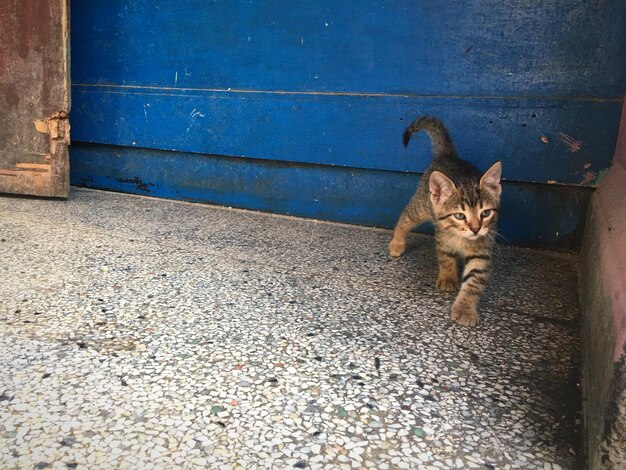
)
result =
(491, 179)
(441, 187)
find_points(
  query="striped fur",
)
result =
(439, 136)
(463, 204)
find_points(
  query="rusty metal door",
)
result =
(34, 97)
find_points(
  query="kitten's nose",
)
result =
(475, 230)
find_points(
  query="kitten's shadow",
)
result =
(421, 245)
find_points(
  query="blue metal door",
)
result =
(299, 107)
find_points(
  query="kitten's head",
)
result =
(468, 208)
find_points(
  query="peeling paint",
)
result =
(589, 178)
(572, 144)
(58, 127)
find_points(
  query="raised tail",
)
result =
(439, 136)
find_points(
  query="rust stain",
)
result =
(12, 96)
(34, 29)
(573, 144)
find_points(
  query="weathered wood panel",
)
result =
(34, 126)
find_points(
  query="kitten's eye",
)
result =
(486, 213)
(459, 216)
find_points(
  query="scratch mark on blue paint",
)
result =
(193, 115)
(504, 98)
(176, 79)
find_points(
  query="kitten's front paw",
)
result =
(447, 284)
(396, 248)
(464, 316)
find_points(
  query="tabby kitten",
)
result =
(464, 208)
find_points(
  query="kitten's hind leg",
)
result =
(410, 217)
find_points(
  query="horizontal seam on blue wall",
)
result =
(311, 164)
(182, 92)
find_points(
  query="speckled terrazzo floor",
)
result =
(140, 333)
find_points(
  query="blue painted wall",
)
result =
(317, 87)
